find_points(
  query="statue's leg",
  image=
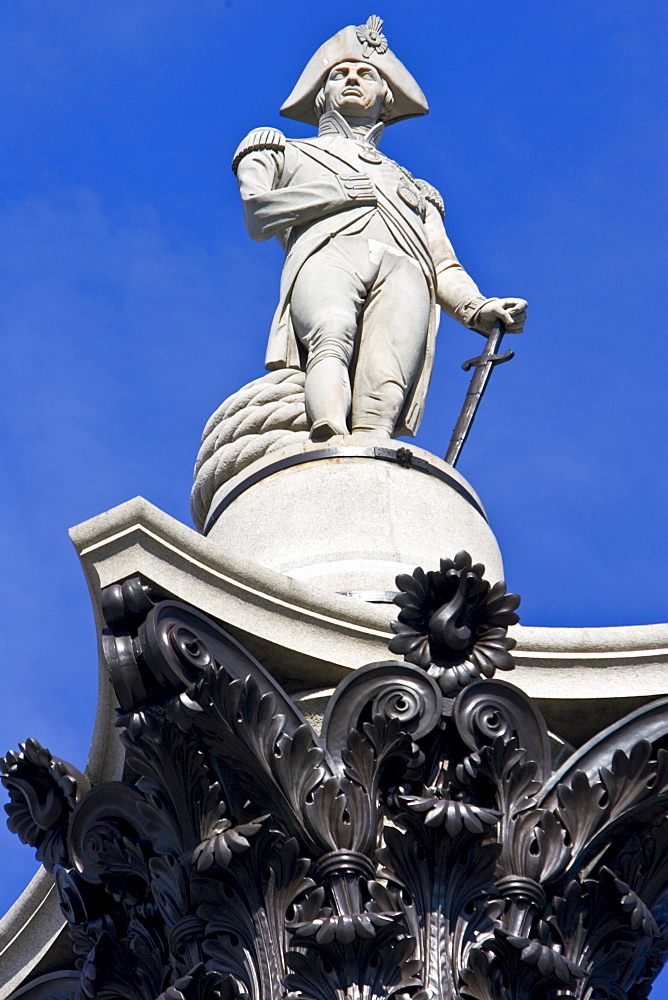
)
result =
(394, 329)
(325, 305)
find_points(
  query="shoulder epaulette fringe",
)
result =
(430, 194)
(259, 138)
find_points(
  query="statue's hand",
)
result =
(511, 312)
(358, 187)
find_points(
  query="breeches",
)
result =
(358, 306)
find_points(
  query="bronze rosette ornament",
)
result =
(453, 623)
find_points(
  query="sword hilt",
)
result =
(492, 359)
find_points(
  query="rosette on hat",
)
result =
(356, 43)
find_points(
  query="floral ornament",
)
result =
(316, 924)
(453, 624)
(452, 814)
(204, 984)
(371, 38)
(43, 791)
(225, 842)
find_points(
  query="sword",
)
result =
(483, 366)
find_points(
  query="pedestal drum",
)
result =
(349, 519)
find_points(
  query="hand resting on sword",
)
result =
(511, 312)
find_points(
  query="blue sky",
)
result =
(132, 302)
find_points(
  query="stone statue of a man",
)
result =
(367, 259)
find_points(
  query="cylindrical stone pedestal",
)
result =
(349, 518)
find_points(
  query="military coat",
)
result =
(306, 192)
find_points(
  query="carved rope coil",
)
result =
(264, 416)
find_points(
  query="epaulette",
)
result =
(259, 138)
(432, 195)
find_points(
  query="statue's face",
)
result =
(355, 90)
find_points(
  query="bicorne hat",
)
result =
(364, 43)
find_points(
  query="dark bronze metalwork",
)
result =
(483, 367)
(453, 623)
(421, 846)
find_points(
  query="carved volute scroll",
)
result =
(423, 846)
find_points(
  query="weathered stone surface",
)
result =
(351, 518)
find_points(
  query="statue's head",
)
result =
(356, 74)
(355, 90)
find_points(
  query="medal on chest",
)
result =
(370, 154)
(410, 196)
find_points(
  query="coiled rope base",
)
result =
(266, 415)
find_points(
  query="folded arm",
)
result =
(269, 209)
